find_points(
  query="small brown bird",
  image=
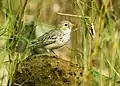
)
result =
(53, 39)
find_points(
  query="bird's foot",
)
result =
(51, 52)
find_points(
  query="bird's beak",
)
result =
(72, 25)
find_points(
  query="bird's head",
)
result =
(65, 25)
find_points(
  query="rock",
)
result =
(47, 71)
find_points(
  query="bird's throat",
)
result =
(67, 31)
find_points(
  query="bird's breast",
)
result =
(66, 35)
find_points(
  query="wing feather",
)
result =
(47, 38)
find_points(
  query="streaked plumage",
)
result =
(54, 38)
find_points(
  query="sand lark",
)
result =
(53, 39)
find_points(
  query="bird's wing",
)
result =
(48, 38)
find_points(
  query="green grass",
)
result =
(106, 46)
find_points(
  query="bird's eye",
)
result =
(66, 24)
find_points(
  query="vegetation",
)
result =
(95, 43)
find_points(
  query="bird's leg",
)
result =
(54, 53)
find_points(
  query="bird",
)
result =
(53, 39)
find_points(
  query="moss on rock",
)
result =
(47, 71)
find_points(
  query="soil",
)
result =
(47, 71)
